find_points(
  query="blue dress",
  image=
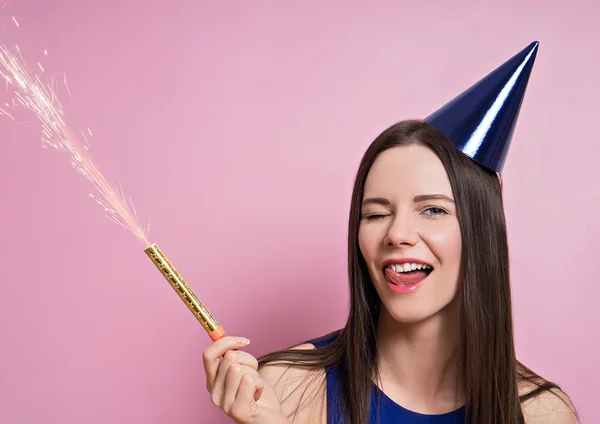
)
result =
(389, 411)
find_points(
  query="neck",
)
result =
(418, 361)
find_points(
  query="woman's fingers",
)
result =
(235, 386)
(229, 358)
(232, 387)
(212, 356)
(244, 406)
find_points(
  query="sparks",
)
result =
(87, 143)
(46, 52)
(41, 99)
(15, 20)
(7, 114)
(40, 65)
(65, 82)
(6, 77)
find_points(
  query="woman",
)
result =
(429, 336)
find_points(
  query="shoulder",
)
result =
(552, 406)
(302, 392)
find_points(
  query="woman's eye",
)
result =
(434, 211)
(373, 216)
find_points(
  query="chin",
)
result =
(409, 316)
(412, 311)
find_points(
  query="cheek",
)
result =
(367, 243)
(362, 242)
(445, 243)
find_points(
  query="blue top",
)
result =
(389, 411)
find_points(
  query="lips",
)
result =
(406, 272)
(405, 278)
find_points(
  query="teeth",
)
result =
(406, 267)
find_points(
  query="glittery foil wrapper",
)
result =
(214, 330)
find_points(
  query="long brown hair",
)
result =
(487, 361)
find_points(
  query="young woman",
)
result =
(429, 335)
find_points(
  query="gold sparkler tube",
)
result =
(214, 330)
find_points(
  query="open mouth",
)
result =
(407, 273)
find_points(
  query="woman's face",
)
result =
(409, 234)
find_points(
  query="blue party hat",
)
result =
(481, 120)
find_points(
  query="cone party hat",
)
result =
(481, 120)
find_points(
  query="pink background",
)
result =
(237, 130)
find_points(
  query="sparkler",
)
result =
(43, 102)
(41, 99)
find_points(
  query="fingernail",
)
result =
(243, 340)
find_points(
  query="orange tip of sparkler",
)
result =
(217, 334)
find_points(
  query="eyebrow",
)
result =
(417, 199)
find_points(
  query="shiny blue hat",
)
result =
(481, 120)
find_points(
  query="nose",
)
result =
(401, 232)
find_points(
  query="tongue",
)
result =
(405, 278)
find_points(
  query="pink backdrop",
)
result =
(237, 130)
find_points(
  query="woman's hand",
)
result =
(235, 386)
